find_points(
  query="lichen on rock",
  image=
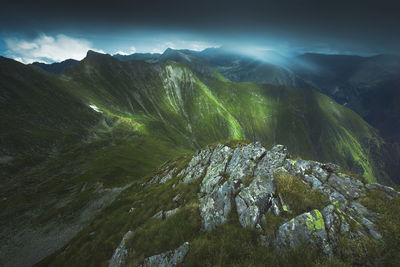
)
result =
(244, 177)
(308, 227)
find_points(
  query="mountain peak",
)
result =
(95, 54)
(92, 53)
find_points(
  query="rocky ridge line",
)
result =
(244, 177)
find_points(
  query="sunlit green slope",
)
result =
(191, 109)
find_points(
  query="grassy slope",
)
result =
(229, 244)
(192, 109)
(37, 116)
(307, 122)
(76, 152)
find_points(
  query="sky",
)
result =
(50, 31)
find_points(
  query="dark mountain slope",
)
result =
(151, 57)
(242, 68)
(236, 67)
(61, 162)
(38, 115)
(57, 67)
(368, 85)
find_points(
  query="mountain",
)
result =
(76, 141)
(150, 57)
(239, 204)
(235, 66)
(239, 67)
(367, 85)
(244, 68)
(62, 162)
(37, 114)
(57, 67)
(193, 109)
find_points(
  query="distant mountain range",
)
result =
(57, 67)
(368, 85)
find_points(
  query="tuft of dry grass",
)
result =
(298, 195)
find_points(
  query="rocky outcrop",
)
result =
(120, 254)
(388, 190)
(167, 259)
(308, 227)
(243, 178)
(196, 166)
(253, 200)
(216, 193)
(164, 214)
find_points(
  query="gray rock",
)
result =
(274, 159)
(300, 166)
(218, 161)
(169, 258)
(216, 205)
(170, 212)
(365, 217)
(315, 183)
(159, 215)
(244, 160)
(333, 195)
(168, 176)
(162, 215)
(370, 226)
(176, 198)
(349, 187)
(308, 228)
(335, 223)
(319, 172)
(216, 193)
(254, 200)
(197, 166)
(225, 174)
(387, 189)
(120, 254)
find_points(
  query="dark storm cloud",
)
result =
(369, 25)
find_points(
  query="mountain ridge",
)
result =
(111, 123)
(272, 208)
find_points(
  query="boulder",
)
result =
(244, 160)
(254, 200)
(120, 254)
(167, 259)
(216, 204)
(306, 228)
(197, 166)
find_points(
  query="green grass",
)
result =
(387, 224)
(229, 244)
(150, 235)
(299, 197)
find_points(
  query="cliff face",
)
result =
(285, 205)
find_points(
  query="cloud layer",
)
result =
(132, 50)
(47, 49)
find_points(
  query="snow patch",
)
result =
(95, 108)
